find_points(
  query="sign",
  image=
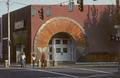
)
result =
(19, 24)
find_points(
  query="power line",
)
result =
(19, 3)
(14, 2)
(62, 2)
(28, 4)
(3, 1)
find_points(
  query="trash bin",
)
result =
(6, 64)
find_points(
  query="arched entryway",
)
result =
(60, 29)
(61, 48)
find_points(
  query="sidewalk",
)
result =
(76, 65)
(29, 66)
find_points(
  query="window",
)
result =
(48, 11)
(71, 6)
(65, 50)
(57, 41)
(33, 11)
(50, 49)
(58, 50)
(50, 57)
(65, 41)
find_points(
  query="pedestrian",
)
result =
(43, 60)
(23, 57)
(33, 60)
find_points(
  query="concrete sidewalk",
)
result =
(80, 64)
(84, 65)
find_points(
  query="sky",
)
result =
(16, 4)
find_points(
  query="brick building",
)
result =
(64, 34)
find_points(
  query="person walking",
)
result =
(33, 60)
(43, 60)
(23, 57)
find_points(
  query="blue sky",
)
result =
(16, 4)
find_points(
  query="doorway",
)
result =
(61, 48)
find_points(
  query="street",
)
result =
(23, 73)
(66, 72)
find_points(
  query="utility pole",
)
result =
(118, 31)
(8, 32)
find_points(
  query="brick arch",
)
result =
(56, 25)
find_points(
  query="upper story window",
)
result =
(50, 49)
(33, 11)
(71, 5)
(58, 50)
(48, 11)
(65, 50)
(57, 41)
(65, 41)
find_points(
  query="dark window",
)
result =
(50, 57)
(50, 49)
(65, 41)
(58, 50)
(57, 41)
(65, 50)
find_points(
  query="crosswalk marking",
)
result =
(93, 70)
(97, 75)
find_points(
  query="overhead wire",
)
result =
(19, 3)
(12, 2)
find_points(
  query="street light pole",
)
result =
(117, 39)
(8, 32)
(118, 32)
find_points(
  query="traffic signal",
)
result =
(41, 14)
(80, 4)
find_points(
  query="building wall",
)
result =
(16, 16)
(96, 21)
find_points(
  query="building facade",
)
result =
(63, 33)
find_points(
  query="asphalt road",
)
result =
(23, 73)
(57, 73)
(86, 72)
